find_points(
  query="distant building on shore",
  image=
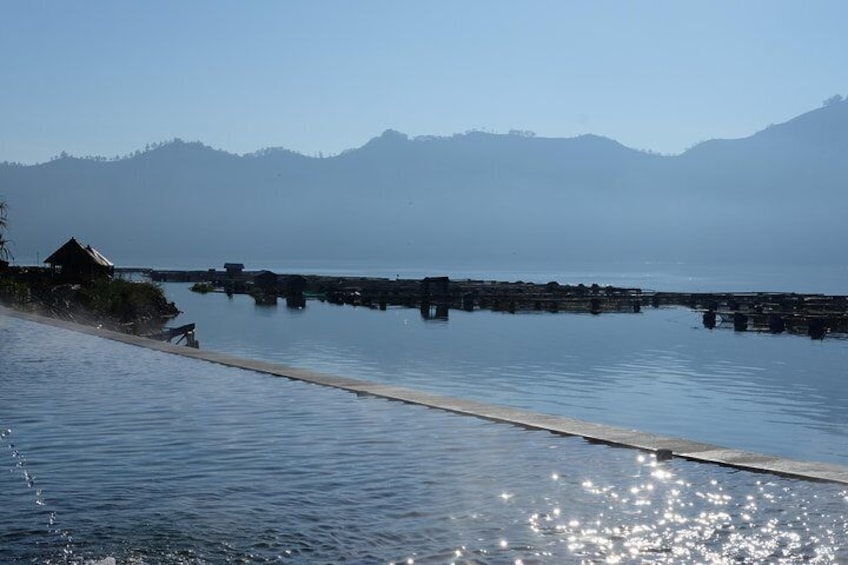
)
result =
(76, 263)
(266, 281)
(234, 270)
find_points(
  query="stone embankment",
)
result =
(815, 315)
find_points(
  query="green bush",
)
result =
(126, 301)
(202, 287)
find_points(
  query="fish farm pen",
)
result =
(814, 315)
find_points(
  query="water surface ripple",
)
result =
(659, 371)
(137, 456)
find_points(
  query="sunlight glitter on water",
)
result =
(152, 458)
(663, 523)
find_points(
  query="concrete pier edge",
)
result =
(599, 433)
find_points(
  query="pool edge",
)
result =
(561, 425)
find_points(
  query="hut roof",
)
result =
(74, 252)
(98, 257)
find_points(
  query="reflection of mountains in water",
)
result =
(772, 198)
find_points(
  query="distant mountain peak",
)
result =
(774, 196)
(392, 134)
(823, 127)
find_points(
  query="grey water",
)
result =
(120, 455)
(659, 371)
(136, 456)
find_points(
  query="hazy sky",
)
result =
(104, 78)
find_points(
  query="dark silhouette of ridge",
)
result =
(776, 196)
(824, 129)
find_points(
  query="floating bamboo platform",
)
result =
(814, 315)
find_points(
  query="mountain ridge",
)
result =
(776, 195)
(810, 120)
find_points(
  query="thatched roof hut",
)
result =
(78, 263)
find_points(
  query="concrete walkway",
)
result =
(663, 446)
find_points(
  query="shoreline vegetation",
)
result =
(133, 307)
(80, 286)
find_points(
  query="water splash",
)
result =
(57, 535)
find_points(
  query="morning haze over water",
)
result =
(661, 146)
(774, 199)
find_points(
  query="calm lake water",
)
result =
(125, 455)
(115, 453)
(657, 371)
